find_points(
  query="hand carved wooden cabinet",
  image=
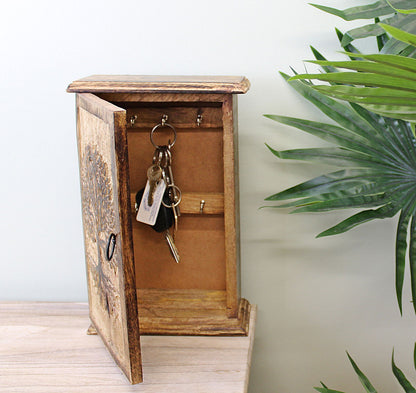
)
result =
(135, 287)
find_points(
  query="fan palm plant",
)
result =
(374, 144)
(377, 154)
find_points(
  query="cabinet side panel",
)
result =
(237, 195)
(230, 206)
(98, 127)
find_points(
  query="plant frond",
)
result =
(404, 382)
(369, 388)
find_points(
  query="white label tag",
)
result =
(148, 214)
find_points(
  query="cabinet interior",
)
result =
(198, 170)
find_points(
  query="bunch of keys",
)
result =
(158, 203)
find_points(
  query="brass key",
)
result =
(154, 175)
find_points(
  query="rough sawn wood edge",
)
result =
(159, 83)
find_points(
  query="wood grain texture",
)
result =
(129, 273)
(179, 116)
(190, 312)
(102, 143)
(191, 203)
(200, 241)
(213, 203)
(231, 208)
(166, 84)
(162, 97)
(196, 158)
(44, 349)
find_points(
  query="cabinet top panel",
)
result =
(159, 84)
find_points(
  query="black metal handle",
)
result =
(111, 246)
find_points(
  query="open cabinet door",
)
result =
(102, 148)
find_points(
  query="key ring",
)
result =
(162, 156)
(160, 125)
(176, 203)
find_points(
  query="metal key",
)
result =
(173, 191)
(154, 175)
(172, 246)
(163, 222)
(162, 158)
(173, 188)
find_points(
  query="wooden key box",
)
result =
(135, 287)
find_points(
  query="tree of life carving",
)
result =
(98, 214)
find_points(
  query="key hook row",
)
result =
(164, 120)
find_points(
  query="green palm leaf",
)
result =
(358, 201)
(351, 48)
(405, 22)
(370, 79)
(414, 356)
(368, 387)
(386, 211)
(333, 197)
(399, 34)
(370, 11)
(397, 13)
(326, 390)
(377, 160)
(412, 257)
(401, 242)
(404, 382)
(384, 84)
(406, 11)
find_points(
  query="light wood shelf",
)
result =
(44, 348)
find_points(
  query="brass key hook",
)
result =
(164, 120)
(133, 120)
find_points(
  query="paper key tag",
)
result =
(148, 214)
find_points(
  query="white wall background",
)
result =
(316, 298)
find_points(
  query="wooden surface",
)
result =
(102, 148)
(155, 83)
(44, 348)
(191, 203)
(180, 116)
(161, 97)
(190, 312)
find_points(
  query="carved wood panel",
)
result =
(101, 221)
